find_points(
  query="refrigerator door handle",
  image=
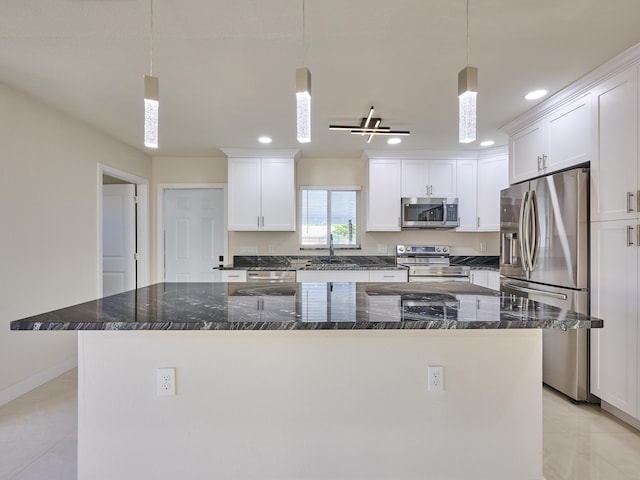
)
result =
(518, 288)
(522, 234)
(535, 219)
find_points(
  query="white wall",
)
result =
(311, 404)
(48, 239)
(315, 171)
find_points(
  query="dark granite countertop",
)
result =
(308, 306)
(344, 262)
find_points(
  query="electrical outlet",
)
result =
(382, 248)
(483, 247)
(166, 381)
(435, 374)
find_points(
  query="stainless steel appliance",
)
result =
(429, 212)
(271, 276)
(544, 240)
(429, 263)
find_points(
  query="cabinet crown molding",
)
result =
(436, 154)
(580, 88)
(251, 153)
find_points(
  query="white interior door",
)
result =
(193, 234)
(118, 238)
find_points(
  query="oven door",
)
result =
(439, 274)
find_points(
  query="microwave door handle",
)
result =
(444, 211)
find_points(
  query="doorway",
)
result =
(192, 232)
(123, 236)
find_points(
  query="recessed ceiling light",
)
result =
(394, 141)
(536, 94)
(264, 139)
(487, 143)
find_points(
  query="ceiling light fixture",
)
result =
(303, 95)
(487, 143)
(151, 99)
(536, 94)
(394, 141)
(467, 93)
(365, 127)
(264, 139)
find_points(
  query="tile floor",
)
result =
(38, 437)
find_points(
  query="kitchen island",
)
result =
(310, 381)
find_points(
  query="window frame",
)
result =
(351, 188)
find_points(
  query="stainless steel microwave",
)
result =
(430, 212)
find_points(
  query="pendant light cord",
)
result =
(151, 40)
(467, 32)
(303, 30)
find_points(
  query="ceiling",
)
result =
(227, 67)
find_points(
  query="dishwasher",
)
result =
(271, 276)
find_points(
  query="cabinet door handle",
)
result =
(629, 235)
(478, 222)
(258, 221)
(544, 160)
(539, 163)
(638, 200)
(262, 221)
(629, 197)
(638, 239)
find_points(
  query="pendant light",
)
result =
(467, 93)
(151, 99)
(303, 96)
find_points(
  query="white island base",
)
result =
(324, 404)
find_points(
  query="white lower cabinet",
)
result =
(264, 308)
(614, 299)
(234, 276)
(389, 276)
(384, 308)
(485, 278)
(309, 276)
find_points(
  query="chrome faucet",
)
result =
(331, 252)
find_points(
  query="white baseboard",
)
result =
(626, 418)
(40, 378)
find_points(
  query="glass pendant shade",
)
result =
(151, 104)
(467, 93)
(303, 105)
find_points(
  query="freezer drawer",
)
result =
(565, 355)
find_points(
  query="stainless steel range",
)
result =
(430, 263)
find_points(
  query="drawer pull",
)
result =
(629, 197)
(629, 235)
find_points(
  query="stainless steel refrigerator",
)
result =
(544, 241)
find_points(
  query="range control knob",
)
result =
(438, 249)
(445, 249)
(400, 249)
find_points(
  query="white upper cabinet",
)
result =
(262, 193)
(559, 140)
(467, 195)
(614, 168)
(493, 176)
(479, 185)
(526, 150)
(383, 195)
(425, 178)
